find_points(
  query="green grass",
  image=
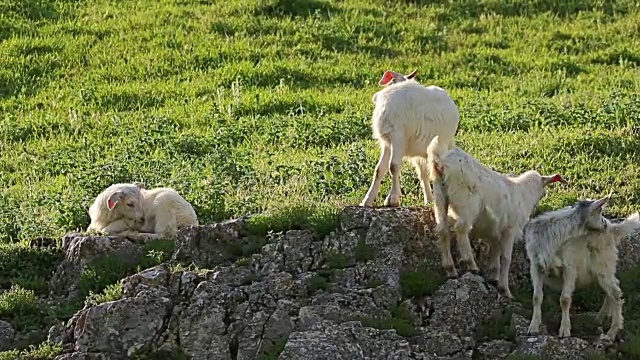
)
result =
(31, 268)
(419, 283)
(44, 351)
(112, 292)
(316, 283)
(400, 321)
(273, 351)
(364, 252)
(246, 107)
(31, 320)
(20, 307)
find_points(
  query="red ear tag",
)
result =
(111, 204)
(386, 77)
(558, 178)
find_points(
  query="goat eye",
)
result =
(130, 205)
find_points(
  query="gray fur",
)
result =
(577, 245)
(545, 234)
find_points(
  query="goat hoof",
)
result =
(532, 332)
(502, 291)
(451, 271)
(606, 338)
(564, 333)
(505, 295)
(391, 202)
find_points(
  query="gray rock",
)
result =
(349, 340)
(554, 348)
(6, 335)
(202, 328)
(311, 298)
(123, 328)
(295, 251)
(80, 251)
(495, 349)
(460, 305)
(435, 344)
(210, 245)
(520, 325)
(57, 334)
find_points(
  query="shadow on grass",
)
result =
(28, 77)
(351, 45)
(295, 8)
(17, 14)
(32, 10)
(471, 9)
(617, 57)
(600, 146)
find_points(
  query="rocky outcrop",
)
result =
(80, 251)
(371, 289)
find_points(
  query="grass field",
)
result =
(250, 106)
(246, 106)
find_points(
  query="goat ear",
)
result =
(412, 74)
(600, 203)
(386, 78)
(390, 75)
(554, 178)
(112, 201)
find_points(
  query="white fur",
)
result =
(141, 214)
(576, 262)
(482, 202)
(406, 117)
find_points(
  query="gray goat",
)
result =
(572, 247)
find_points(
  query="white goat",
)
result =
(406, 117)
(572, 247)
(132, 211)
(483, 203)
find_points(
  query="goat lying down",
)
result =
(481, 201)
(572, 247)
(132, 211)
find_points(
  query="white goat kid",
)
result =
(572, 247)
(483, 203)
(132, 211)
(406, 117)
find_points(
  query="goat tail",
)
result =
(628, 226)
(435, 151)
(440, 205)
(436, 175)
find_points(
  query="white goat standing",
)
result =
(132, 211)
(483, 203)
(572, 247)
(406, 117)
